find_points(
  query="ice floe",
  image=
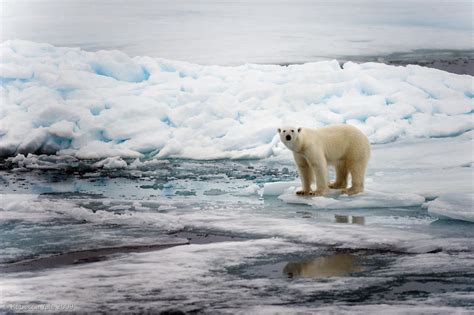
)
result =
(367, 199)
(286, 191)
(457, 206)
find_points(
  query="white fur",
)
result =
(342, 146)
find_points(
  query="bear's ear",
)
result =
(279, 130)
(299, 129)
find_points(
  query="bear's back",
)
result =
(342, 132)
(342, 141)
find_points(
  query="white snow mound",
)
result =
(104, 104)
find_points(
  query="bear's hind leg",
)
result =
(357, 170)
(341, 176)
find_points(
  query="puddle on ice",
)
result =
(321, 263)
(206, 238)
(99, 254)
(422, 287)
(337, 265)
(81, 257)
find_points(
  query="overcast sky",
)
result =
(234, 32)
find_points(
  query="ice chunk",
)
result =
(248, 191)
(457, 206)
(367, 199)
(117, 65)
(111, 163)
(34, 141)
(63, 129)
(214, 192)
(277, 188)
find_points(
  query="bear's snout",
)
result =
(288, 137)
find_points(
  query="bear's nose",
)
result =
(288, 137)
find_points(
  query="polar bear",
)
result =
(342, 146)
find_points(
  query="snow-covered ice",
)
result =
(185, 277)
(105, 104)
(107, 151)
(457, 206)
(367, 199)
(111, 163)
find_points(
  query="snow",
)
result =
(105, 104)
(457, 206)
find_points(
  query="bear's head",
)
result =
(290, 137)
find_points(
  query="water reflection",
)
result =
(349, 219)
(337, 265)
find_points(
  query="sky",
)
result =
(238, 32)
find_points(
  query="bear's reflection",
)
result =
(349, 219)
(331, 266)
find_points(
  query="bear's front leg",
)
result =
(306, 174)
(320, 168)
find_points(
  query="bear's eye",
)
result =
(284, 130)
(292, 131)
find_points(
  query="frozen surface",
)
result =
(454, 206)
(367, 199)
(186, 278)
(105, 104)
(132, 137)
(397, 253)
(248, 31)
(378, 256)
